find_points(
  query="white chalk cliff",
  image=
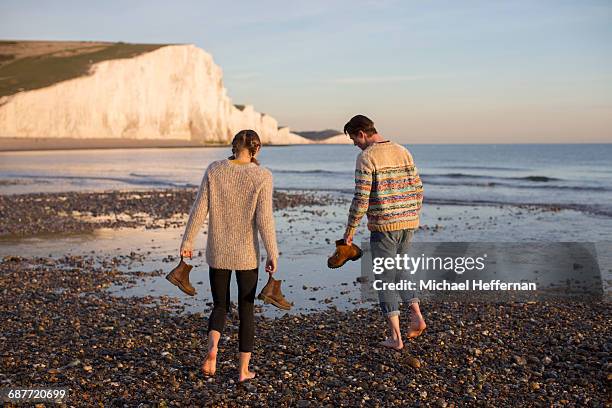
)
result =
(338, 139)
(174, 92)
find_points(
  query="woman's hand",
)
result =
(271, 265)
(187, 253)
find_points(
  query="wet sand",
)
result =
(31, 144)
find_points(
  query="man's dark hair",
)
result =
(357, 123)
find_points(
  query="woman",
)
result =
(237, 195)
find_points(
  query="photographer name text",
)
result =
(445, 285)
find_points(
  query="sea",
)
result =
(569, 176)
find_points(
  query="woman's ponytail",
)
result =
(246, 140)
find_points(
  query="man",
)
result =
(388, 188)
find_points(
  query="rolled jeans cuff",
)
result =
(392, 309)
(389, 308)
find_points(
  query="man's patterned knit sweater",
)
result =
(387, 188)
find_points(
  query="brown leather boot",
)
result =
(179, 276)
(271, 293)
(343, 253)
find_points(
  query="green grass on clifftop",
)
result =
(36, 71)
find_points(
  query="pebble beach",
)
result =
(60, 327)
(66, 323)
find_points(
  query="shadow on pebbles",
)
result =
(61, 328)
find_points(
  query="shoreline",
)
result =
(53, 144)
(15, 144)
(8, 144)
(32, 214)
(45, 213)
(50, 144)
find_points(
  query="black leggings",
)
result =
(220, 287)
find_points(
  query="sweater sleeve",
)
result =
(415, 180)
(264, 217)
(361, 198)
(198, 214)
(419, 190)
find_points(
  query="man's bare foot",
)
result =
(417, 325)
(392, 343)
(209, 366)
(249, 375)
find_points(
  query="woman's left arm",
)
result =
(198, 214)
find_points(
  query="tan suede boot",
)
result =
(179, 276)
(343, 253)
(271, 293)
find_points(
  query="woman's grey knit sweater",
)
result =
(238, 198)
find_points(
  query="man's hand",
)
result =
(271, 265)
(187, 253)
(348, 238)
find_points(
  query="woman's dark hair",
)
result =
(246, 139)
(357, 123)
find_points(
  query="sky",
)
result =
(425, 71)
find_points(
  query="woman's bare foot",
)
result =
(417, 325)
(244, 376)
(209, 366)
(391, 343)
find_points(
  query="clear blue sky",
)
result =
(424, 71)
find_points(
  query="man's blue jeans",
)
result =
(388, 244)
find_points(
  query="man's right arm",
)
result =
(416, 182)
